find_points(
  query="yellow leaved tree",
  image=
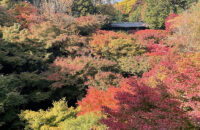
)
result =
(126, 6)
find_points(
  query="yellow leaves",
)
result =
(126, 5)
(51, 117)
(14, 33)
(154, 80)
(6, 3)
(114, 45)
(189, 60)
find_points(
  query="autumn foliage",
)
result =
(155, 40)
(114, 45)
(90, 24)
(149, 35)
(125, 6)
(26, 14)
(142, 107)
(141, 79)
(96, 98)
(169, 22)
(180, 75)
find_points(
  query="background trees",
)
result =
(83, 7)
(158, 10)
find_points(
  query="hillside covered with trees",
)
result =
(60, 71)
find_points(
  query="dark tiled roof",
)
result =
(128, 25)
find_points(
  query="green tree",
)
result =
(135, 16)
(21, 83)
(20, 91)
(60, 116)
(156, 13)
(180, 5)
(7, 3)
(158, 10)
(5, 18)
(83, 7)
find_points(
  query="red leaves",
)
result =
(153, 36)
(103, 38)
(181, 76)
(154, 40)
(142, 107)
(169, 22)
(25, 13)
(157, 49)
(96, 98)
(168, 103)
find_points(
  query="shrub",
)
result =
(115, 45)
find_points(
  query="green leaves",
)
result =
(158, 10)
(83, 7)
(156, 13)
(15, 58)
(134, 65)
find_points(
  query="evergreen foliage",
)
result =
(83, 7)
(158, 10)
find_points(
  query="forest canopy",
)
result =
(60, 70)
